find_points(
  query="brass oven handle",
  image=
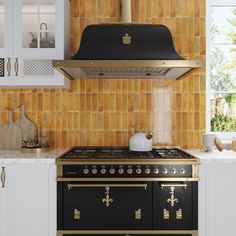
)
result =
(8, 66)
(3, 177)
(16, 66)
(173, 185)
(70, 186)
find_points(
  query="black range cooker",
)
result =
(114, 191)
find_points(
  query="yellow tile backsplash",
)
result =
(104, 111)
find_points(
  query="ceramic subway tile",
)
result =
(88, 120)
(76, 121)
(94, 121)
(100, 120)
(64, 118)
(88, 99)
(166, 8)
(130, 102)
(69, 121)
(118, 123)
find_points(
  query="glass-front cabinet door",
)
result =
(5, 39)
(36, 30)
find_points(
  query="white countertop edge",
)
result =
(215, 157)
(17, 157)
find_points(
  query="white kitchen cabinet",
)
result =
(217, 199)
(28, 201)
(32, 34)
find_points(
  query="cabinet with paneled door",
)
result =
(32, 34)
(27, 199)
(217, 194)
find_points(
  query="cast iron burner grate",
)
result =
(124, 153)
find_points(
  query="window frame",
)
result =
(209, 4)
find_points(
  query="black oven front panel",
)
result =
(175, 205)
(105, 205)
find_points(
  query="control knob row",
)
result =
(173, 171)
(130, 171)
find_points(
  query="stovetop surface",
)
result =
(80, 153)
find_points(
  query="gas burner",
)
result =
(111, 153)
(81, 153)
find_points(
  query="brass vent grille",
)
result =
(162, 69)
(125, 71)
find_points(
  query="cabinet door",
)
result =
(220, 200)
(36, 72)
(3, 201)
(28, 200)
(37, 28)
(5, 42)
(175, 208)
(38, 38)
(128, 207)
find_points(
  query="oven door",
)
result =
(106, 205)
(175, 205)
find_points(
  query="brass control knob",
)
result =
(165, 171)
(130, 171)
(86, 171)
(94, 171)
(182, 171)
(147, 171)
(121, 171)
(156, 171)
(173, 171)
(112, 171)
(103, 171)
(138, 171)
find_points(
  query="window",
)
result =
(221, 67)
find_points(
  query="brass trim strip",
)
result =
(59, 170)
(173, 185)
(70, 186)
(127, 63)
(65, 73)
(125, 161)
(195, 171)
(62, 232)
(61, 179)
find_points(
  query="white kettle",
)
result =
(141, 142)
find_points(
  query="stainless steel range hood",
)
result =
(126, 50)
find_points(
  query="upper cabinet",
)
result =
(32, 34)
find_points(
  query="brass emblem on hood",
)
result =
(126, 39)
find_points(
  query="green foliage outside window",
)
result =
(223, 123)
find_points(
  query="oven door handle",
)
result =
(184, 186)
(70, 186)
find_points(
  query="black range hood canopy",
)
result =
(126, 50)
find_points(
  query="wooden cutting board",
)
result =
(28, 127)
(12, 134)
(3, 131)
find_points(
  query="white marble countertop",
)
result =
(215, 157)
(11, 157)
